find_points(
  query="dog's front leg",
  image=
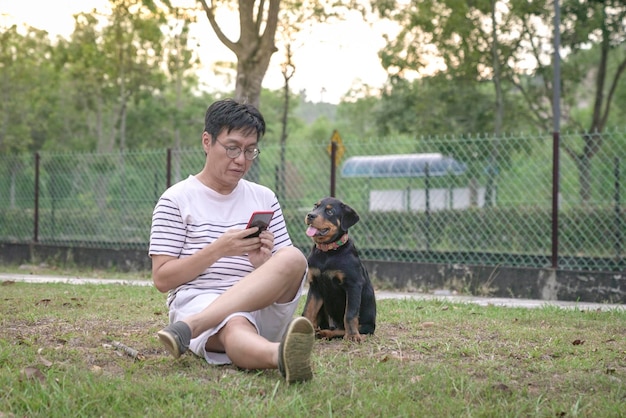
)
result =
(312, 308)
(351, 318)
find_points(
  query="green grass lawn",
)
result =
(428, 358)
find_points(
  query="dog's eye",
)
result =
(330, 211)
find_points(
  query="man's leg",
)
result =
(278, 280)
(248, 350)
(244, 346)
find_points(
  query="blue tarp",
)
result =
(402, 165)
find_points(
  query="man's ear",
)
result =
(206, 141)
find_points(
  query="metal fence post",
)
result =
(333, 168)
(427, 203)
(36, 211)
(556, 109)
(618, 216)
(168, 181)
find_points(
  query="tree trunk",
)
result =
(254, 49)
(250, 73)
(492, 163)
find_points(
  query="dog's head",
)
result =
(329, 220)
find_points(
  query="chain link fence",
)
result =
(467, 200)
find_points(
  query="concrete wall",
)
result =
(97, 258)
(502, 281)
(497, 281)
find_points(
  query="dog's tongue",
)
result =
(310, 231)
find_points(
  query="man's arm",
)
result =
(169, 272)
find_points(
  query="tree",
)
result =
(592, 36)
(511, 44)
(471, 42)
(181, 64)
(111, 60)
(255, 46)
(600, 22)
(27, 88)
(288, 70)
(81, 63)
(133, 42)
(259, 21)
(27, 93)
(354, 116)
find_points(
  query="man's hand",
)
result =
(263, 253)
(234, 242)
(258, 249)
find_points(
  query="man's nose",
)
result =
(241, 158)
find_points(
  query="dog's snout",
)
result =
(310, 216)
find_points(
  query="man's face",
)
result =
(224, 171)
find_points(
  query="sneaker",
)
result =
(175, 337)
(294, 351)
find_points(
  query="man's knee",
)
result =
(293, 257)
(218, 342)
(237, 323)
(233, 331)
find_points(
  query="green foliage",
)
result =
(87, 93)
(507, 44)
(434, 106)
(354, 118)
(273, 106)
(28, 84)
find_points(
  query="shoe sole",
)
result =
(297, 348)
(170, 343)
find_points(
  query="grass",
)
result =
(427, 359)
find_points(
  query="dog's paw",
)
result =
(329, 334)
(357, 338)
(324, 334)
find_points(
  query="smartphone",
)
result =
(261, 219)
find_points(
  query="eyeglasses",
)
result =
(234, 152)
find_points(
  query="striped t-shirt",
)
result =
(190, 215)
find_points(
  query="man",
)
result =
(231, 297)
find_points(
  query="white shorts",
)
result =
(270, 322)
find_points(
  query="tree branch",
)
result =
(209, 11)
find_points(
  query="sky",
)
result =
(329, 58)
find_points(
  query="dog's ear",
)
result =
(349, 218)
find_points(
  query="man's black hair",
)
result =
(230, 115)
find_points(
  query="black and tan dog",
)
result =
(340, 300)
